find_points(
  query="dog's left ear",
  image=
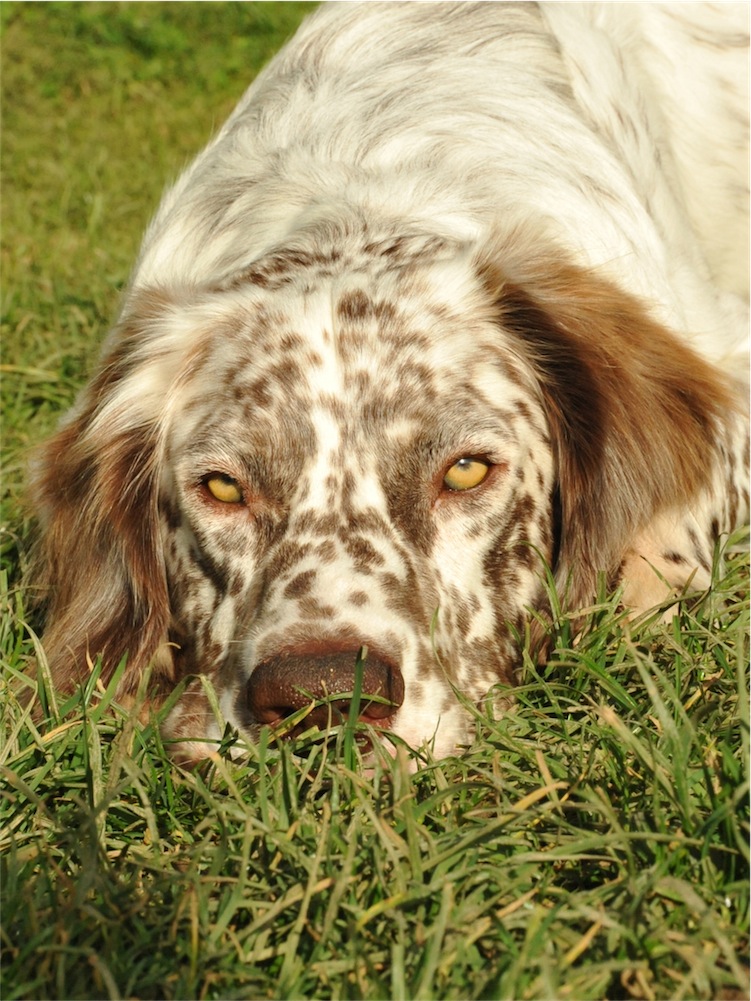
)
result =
(635, 417)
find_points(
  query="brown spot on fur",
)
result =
(312, 609)
(363, 554)
(326, 551)
(288, 554)
(300, 585)
(354, 306)
(676, 558)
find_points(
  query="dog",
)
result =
(457, 294)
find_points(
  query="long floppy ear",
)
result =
(634, 415)
(99, 564)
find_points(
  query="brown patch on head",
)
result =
(282, 267)
(354, 306)
(363, 554)
(633, 413)
(300, 585)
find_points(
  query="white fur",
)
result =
(376, 107)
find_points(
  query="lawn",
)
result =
(593, 843)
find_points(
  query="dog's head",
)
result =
(375, 444)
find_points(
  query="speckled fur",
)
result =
(428, 231)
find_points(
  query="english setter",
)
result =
(458, 291)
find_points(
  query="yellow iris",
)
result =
(465, 474)
(224, 488)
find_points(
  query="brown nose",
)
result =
(285, 683)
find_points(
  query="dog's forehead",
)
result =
(370, 352)
(353, 364)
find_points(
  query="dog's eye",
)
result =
(466, 473)
(223, 488)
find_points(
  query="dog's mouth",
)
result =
(303, 689)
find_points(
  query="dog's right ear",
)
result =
(99, 566)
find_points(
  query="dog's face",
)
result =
(353, 461)
(380, 447)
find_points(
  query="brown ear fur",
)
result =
(99, 566)
(633, 413)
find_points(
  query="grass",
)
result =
(593, 843)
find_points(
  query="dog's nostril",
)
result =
(283, 684)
